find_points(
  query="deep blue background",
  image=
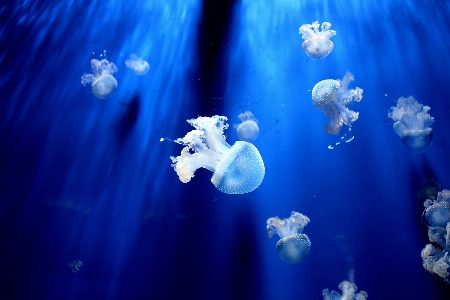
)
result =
(84, 178)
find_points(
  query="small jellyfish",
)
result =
(138, 65)
(317, 44)
(103, 83)
(238, 169)
(412, 124)
(333, 97)
(248, 130)
(293, 246)
(348, 292)
(75, 265)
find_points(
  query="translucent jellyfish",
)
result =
(248, 130)
(75, 265)
(103, 83)
(138, 65)
(333, 97)
(437, 217)
(293, 246)
(412, 124)
(317, 44)
(348, 292)
(238, 169)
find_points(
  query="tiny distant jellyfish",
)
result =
(317, 44)
(103, 83)
(75, 265)
(138, 65)
(348, 292)
(412, 124)
(237, 169)
(293, 246)
(248, 130)
(333, 98)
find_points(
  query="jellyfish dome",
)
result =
(437, 212)
(293, 246)
(103, 83)
(248, 130)
(317, 44)
(348, 292)
(412, 124)
(237, 169)
(333, 97)
(138, 65)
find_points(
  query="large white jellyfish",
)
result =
(317, 44)
(293, 246)
(348, 292)
(248, 130)
(437, 216)
(138, 65)
(103, 83)
(238, 169)
(412, 124)
(333, 97)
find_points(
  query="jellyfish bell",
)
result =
(324, 91)
(438, 214)
(248, 131)
(137, 64)
(237, 169)
(317, 44)
(104, 87)
(417, 141)
(294, 249)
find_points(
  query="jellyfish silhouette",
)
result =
(248, 130)
(138, 65)
(317, 44)
(412, 124)
(348, 292)
(103, 83)
(333, 97)
(293, 246)
(238, 169)
(437, 217)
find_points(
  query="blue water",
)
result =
(88, 179)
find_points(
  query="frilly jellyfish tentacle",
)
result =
(348, 292)
(293, 246)
(317, 44)
(238, 169)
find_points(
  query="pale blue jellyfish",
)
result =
(138, 65)
(333, 97)
(348, 292)
(248, 130)
(238, 169)
(436, 215)
(317, 44)
(412, 124)
(103, 83)
(293, 246)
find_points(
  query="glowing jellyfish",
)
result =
(293, 246)
(103, 83)
(333, 97)
(248, 130)
(437, 217)
(348, 292)
(238, 169)
(317, 44)
(138, 65)
(412, 124)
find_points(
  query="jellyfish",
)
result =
(138, 65)
(333, 97)
(293, 246)
(75, 265)
(103, 83)
(237, 169)
(317, 44)
(412, 124)
(348, 292)
(248, 130)
(437, 217)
